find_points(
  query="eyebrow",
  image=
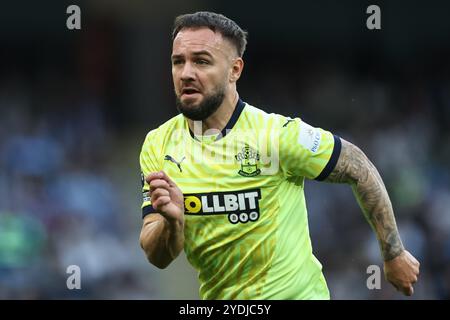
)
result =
(196, 53)
(202, 52)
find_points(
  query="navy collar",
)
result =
(234, 118)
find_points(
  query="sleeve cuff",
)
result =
(147, 210)
(333, 160)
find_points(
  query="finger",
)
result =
(167, 178)
(409, 290)
(161, 201)
(158, 183)
(412, 258)
(152, 176)
(415, 270)
(160, 175)
(159, 193)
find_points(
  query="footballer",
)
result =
(224, 180)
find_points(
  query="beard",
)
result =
(204, 109)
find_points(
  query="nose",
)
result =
(188, 72)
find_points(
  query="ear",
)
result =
(236, 69)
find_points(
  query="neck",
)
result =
(219, 119)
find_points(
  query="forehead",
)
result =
(200, 39)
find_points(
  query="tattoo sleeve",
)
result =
(354, 168)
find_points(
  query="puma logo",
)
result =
(289, 120)
(178, 163)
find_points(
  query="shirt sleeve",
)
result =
(149, 163)
(307, 151)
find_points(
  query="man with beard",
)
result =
(224, 180)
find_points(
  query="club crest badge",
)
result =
(249, 159)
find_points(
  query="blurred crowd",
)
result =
(59, 203)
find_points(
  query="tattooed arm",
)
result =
(354, 168)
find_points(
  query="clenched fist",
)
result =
(402, 272)
(167, 199)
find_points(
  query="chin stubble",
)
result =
(206, 108)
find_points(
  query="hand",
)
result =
(167, 199)
(402, 272)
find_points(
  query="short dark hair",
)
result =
(216, 22)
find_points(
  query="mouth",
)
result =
(189, 92)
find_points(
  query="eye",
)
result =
(202, 61)
(177, 62)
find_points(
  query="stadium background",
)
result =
(75, 107)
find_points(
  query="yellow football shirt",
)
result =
(246, 226)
